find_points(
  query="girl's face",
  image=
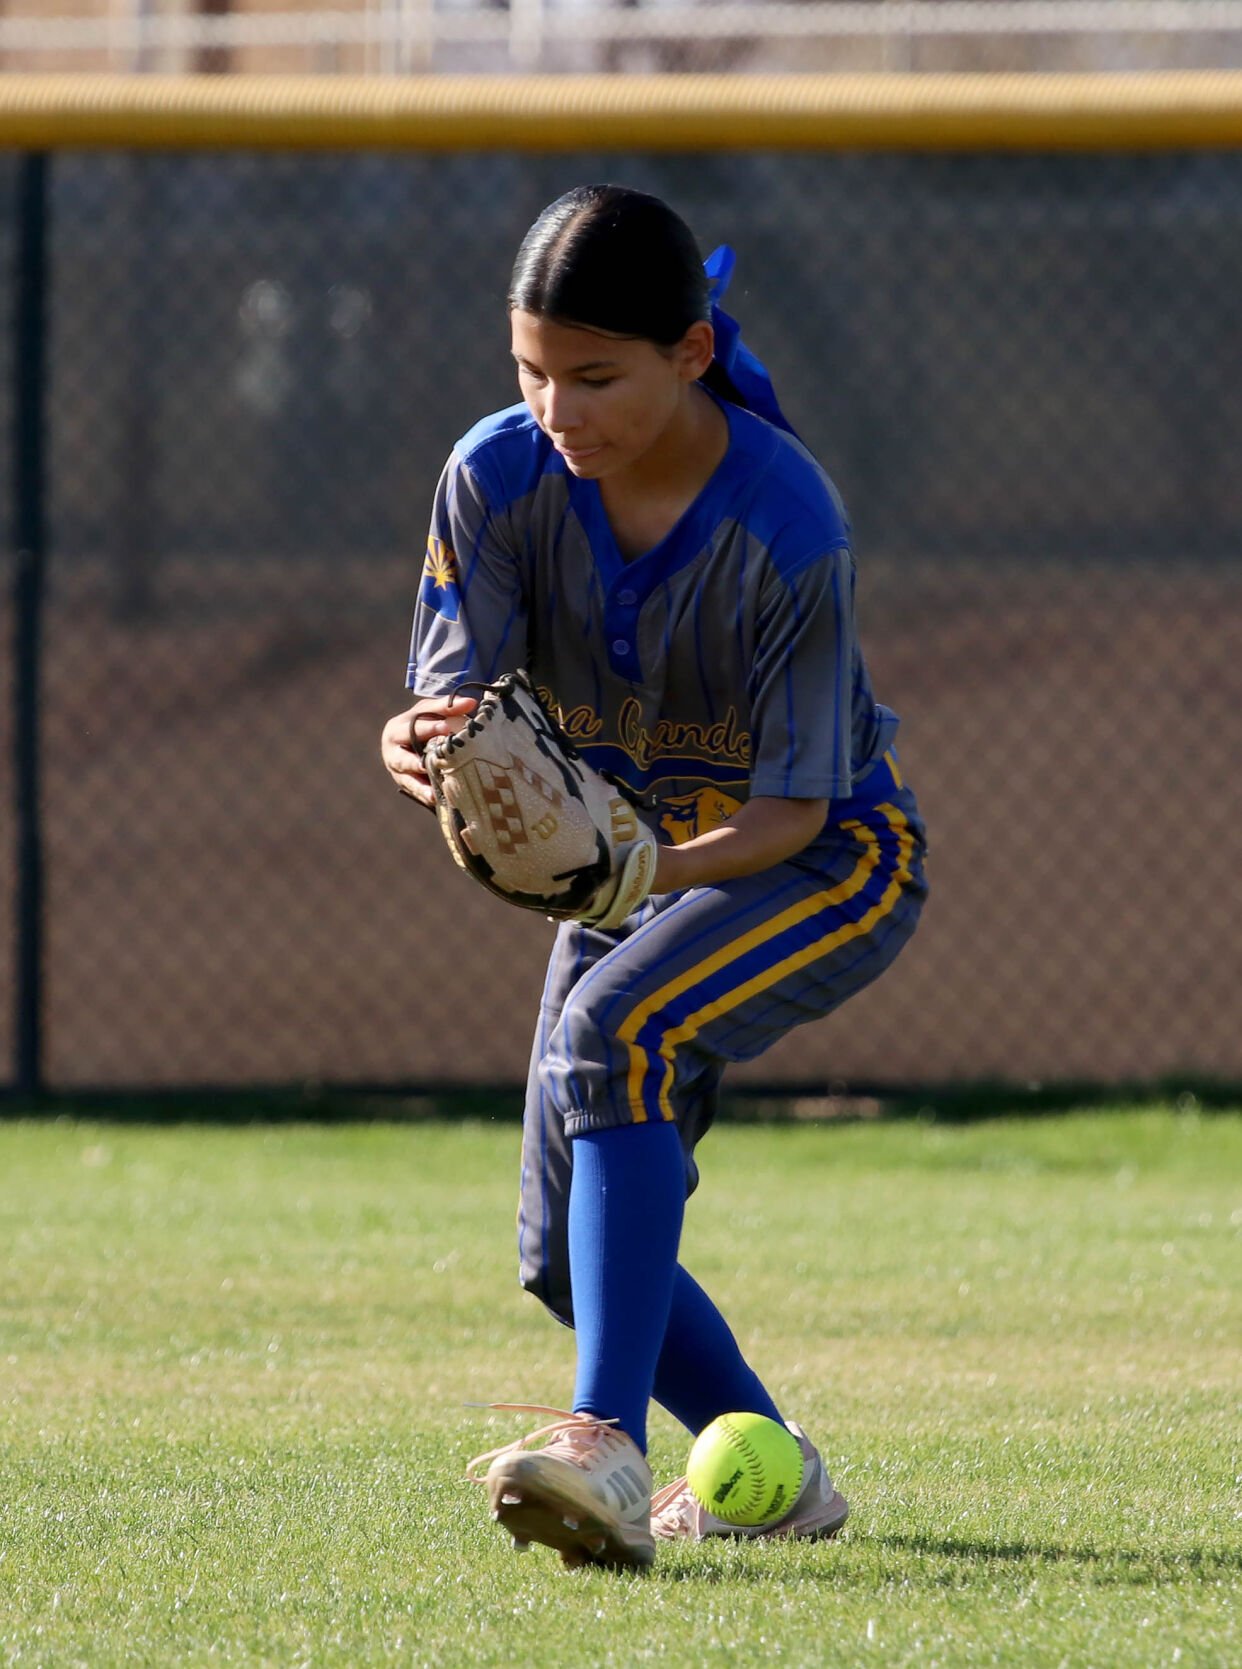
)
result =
(604, 401)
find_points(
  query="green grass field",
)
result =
(233, 1364)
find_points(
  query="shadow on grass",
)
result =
(307, 1104)
(968, 1103)
(502, 1103)
(1106, 1567)
(1115, 1564)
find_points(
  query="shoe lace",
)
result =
(675, 1505)
(564, 1424)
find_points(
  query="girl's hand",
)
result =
(407, 734)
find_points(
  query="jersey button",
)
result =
(620, 646)
(627, 597)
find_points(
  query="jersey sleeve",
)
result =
(802, 682)
(470, 616)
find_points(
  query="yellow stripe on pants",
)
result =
(766, 931)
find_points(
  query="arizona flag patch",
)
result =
(688, 815)
(439, 588)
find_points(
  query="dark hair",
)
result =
(613, 259)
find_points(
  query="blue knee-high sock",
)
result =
(627, 1197)
(702, 1372)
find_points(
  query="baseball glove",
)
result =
(524, 815)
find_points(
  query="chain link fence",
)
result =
(1022, 372)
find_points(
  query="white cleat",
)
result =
(819, 1512)
(586, 1493)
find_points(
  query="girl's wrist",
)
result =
(670, 865)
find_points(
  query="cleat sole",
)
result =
(549, 1510)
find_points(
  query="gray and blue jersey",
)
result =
(723, 663)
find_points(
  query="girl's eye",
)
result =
(537, 377)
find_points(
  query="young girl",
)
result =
(646, 535)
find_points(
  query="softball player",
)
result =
(646, 535)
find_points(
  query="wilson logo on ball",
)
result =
(726, 1489)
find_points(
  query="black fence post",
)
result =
(29, 541)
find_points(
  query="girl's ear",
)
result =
(694, 352)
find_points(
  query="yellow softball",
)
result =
(745, 1469)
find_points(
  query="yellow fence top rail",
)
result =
(1166, 111)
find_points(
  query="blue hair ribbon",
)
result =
(744, 371)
